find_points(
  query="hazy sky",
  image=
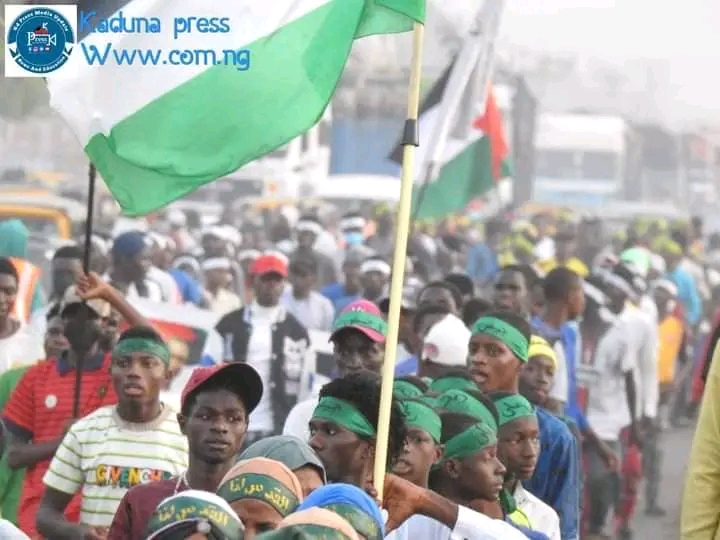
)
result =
(684, 33)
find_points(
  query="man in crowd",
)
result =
(358, 337)
(216, 404)
(273, 341)
(302, 300)
(308, 230)
(116, 447)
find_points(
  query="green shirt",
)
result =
(11, 481)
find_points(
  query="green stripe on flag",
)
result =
(465, 177)
(223, 119)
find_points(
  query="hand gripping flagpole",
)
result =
(410, 141)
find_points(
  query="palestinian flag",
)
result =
(255, 74)
(475, 158)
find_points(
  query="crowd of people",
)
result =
(539, 363)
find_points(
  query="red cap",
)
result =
(242, 377)
(269, 264)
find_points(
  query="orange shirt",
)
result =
(670, 332)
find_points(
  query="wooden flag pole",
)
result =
(402, 232)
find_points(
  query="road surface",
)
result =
(677, 447)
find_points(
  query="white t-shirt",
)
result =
(11, 532)
(259, 356)
(559, 390)
(608, 412)
(470, 525)
(542, 516)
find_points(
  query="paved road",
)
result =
(677, 446)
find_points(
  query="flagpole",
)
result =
(84, 311)
(410, 141)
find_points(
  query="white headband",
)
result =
(618, 282)
(667, 285)
(216, 263)
(593, 292)
(375, 265)
(186, 260)
(307, 225)
(356, 222)
(248, 254)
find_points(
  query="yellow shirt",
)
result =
(700, 515)
(574, 264)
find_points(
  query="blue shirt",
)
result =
(339, 297)
(482, 263)
(569, 336)
(687, 294)
(556, 480)
(189, 290)
(409, 366)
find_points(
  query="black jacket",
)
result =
(290, 345)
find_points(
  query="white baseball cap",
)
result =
(447, 342)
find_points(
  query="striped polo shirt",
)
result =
(102, 456)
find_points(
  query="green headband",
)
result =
(443, 384)
(471, 441)
(365, 525)
(190, 509)
(515, 407)
(126, 347)
(360, 318)
(406, 390)
(421, 416)
(457, 401)
(261, 487)
(342, 413)
(507, 333)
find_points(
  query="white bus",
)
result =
(580, 159)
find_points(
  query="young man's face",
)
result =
(511, 294)
(519, 447)
(216, 425)
(419, 455)
(353, 352)
(536, 379)
(138, 377)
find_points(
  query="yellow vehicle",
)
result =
(49, 216)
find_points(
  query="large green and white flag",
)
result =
(158, 131)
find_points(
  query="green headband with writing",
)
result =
(443, 384)
(507, 333)
(474, 439)
(364, 524)
(457, 401)
(421, 416)
(406, 390)
(158, 349)
(515, 407)
(261, 487)
(360, 318)
(344, 414)
(188, 509)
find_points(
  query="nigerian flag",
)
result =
(158, 131)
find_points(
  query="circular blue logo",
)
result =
(40, 40)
